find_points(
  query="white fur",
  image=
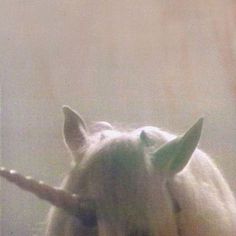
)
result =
(134, 198)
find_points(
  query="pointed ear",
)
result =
(173, 156)
(74, 129)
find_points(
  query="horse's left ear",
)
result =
(173, 156)
(75, 131)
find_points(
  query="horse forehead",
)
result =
(116, 144)
(157, 135)
(132, 133)
(99, 126)
(118, 149)
(109, 141)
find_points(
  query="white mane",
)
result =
(136, 198)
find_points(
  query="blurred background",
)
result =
(162, 63)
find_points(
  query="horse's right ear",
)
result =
(75, 131)
(173, 156)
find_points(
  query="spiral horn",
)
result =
(71, 203)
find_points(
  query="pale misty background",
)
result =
(163, 63)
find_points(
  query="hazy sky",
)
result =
(163, 63)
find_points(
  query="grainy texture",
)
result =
(155, 62)
(145, 181)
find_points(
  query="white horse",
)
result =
(143, 182)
